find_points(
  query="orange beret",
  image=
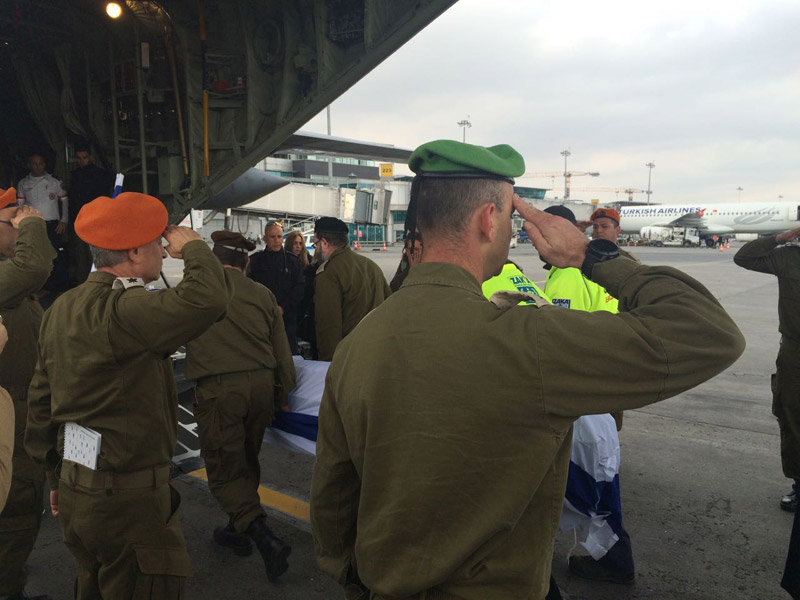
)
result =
(7, 197)
(128, 221)
(608, 213)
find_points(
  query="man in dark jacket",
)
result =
(280, 271)
(87, 182)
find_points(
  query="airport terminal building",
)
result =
(360, 190)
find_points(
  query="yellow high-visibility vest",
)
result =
(570, 289)
(511, 279)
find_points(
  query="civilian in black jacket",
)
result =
(87, 182)
(280, 271)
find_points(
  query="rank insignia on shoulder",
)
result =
(124, 283)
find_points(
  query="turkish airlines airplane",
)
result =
(714, 219)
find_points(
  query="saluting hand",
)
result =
(24, 212)
(788, 236)
(557, 240)
(177, 237)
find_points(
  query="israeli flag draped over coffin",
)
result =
(592, 505)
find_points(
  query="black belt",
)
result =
(75, 474)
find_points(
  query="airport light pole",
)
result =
(566, 154)
(649, 166)
(464, 124)
(740, 188)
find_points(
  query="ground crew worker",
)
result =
(244, 371)
(28, 258)
(104, 364)
(446, 480)
(770, 255)
(347, 286)
(512, 279)
(570, 289)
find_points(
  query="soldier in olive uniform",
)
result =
(446, 481)
(6, 431)
(347, 286)
(777, 255)
(28, 258)
(104, 364)
(244, 371)
(770, 255)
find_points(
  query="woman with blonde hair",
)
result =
(295, 243)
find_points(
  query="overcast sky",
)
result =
(707, 90)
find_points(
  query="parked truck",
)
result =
(671, 236)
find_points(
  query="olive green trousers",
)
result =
(232, 412)
(786, 405)
(124, 533)
(22, 515)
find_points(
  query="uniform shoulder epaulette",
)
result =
(507, 299)
(125, 283)
(321, 268)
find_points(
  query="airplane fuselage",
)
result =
(714, 219)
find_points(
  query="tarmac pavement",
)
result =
(700, 477)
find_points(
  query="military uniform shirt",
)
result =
(347, 286)
(450, 472)
(20, 278)
(104, 363)
(6, 444)
(764, 256)
(250, 337)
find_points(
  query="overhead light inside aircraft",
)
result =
(113, 9)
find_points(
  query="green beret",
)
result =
(448, 158)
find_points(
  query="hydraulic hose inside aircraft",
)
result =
(178, 110)
(204, 51)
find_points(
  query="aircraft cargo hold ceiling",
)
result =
(183, 96)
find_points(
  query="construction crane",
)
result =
(568, 175)
(629, 191)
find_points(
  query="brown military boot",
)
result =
(238, 542)
(273, 550)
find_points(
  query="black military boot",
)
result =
(238, 542)
(789, 501)
(588, 568)
(273, 551)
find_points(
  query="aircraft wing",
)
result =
(690, 220)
